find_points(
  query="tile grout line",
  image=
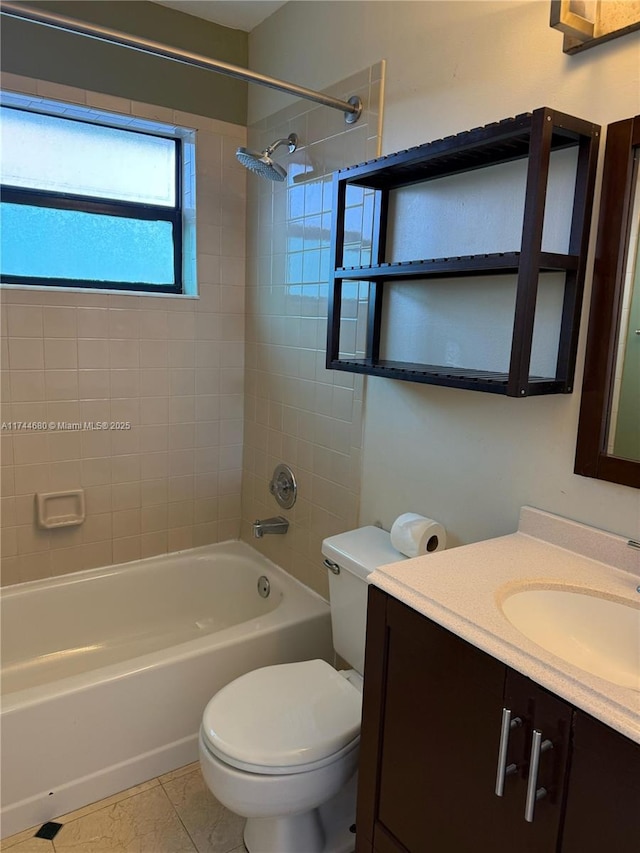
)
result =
(177, 814)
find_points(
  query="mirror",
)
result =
(608, 445)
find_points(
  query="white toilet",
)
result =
(279, 745)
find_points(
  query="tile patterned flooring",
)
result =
(175, 813)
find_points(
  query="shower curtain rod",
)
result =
(352, 108)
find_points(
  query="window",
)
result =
(88, 204)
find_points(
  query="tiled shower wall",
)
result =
(172, 367)
(297, 411)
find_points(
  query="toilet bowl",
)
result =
(279, 745)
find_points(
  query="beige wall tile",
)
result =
(92, 323)
(97, 554)
(25, 321)
(30, 479)
(154, 382)
(63, 445)
(153, 362)
(27, 386)
(9, 542)
(93, 384)
(153, 518)
(60, 322)
(26, 354)
(125, 550)
(65, 411)
(61, 353)
(152, 544)
(180, 538)
(10, 571)
(126, 523)
(154, 438)
(125, 469)
(35, 566)
(61, 384)
(295, 410)
(154, 492)
(154, 466)
(98, 498)
(97, 528)
(154, 324)
(125, 496)
(181, 488)
(123, 323)
(7, 512)
(153, 353)
(30, 448)
(66, 560)
(93, 353)
(95, 471)
(64, 475)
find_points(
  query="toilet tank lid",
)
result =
(362, 550)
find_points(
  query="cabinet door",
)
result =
(438, 744)
(603, 797)
(542, 712)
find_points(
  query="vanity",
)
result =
(502, 697)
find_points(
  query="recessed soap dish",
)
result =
(60, 509)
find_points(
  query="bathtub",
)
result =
(105, 673)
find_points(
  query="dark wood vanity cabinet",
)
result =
(603, 796)
(435, 709)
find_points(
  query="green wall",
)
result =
(37, 51)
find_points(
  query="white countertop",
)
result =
(461, 590)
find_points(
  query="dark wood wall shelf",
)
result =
(533, 136)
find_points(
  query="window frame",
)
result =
(105, 206)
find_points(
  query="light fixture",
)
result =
(586, 23)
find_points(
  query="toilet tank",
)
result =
(357, 553)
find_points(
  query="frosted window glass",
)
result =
(60, 155)
(44, 242)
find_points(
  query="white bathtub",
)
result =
(105, 673)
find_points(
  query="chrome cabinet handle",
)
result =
(538, 746)
(503, 770)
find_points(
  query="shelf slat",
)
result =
(454, 377)
(499, 264)
(498, 142)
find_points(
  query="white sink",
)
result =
(597, 634)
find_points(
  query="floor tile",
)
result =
(181, 771)
(143, 823)
(108, 801)
(11, 840)
(29, 845)
(212, 827)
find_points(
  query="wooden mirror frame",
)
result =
(616, 205)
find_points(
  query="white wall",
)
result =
(469, 459)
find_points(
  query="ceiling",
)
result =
(237, 14)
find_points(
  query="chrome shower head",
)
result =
(262, 164)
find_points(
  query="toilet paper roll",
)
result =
(414, 535)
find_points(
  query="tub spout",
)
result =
(270, 525)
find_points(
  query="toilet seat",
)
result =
(289, 718)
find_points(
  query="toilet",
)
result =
(279, 745)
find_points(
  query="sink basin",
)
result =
(597, 634)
